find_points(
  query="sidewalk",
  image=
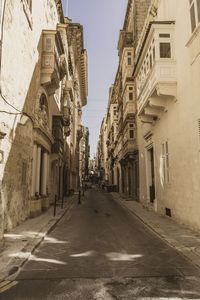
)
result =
(186, 241)
(25, 238)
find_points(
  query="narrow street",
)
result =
(99, 250)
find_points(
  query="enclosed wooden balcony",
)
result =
(52, 61)
(129, 110)
(155, 71)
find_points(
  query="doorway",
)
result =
(151, 174)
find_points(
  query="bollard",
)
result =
(55, 204)
(79, 197)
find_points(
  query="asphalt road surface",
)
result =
(100, 250)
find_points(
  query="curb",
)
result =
(18, 262)
(186, 252)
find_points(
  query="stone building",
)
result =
(165, 108)
(167, 73)
(84, 155)
(102, 153)
(121, 130)
(43, 86)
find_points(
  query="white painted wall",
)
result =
(178, 125)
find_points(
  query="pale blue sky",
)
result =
(102, 21)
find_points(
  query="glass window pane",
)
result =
(192, 16)
(165, 50)
(131, 133)
(154, 53)
(150, 62)
(129, 61)
(130, 96)
(164, 35)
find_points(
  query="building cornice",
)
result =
(60, 10)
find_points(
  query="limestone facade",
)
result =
(84, 155)
(118, 149)
(165, 108)
(167, 74)
(43, 87)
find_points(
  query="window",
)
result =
(129, 58)
(194, 13)
(131, 134)
(154, 53)
(151, 62)
(165, 161)
(129, 61)
(165, 50)
(130, 96)
(164, 35)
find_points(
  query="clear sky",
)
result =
(102, 21)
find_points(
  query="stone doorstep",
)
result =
(13, 264)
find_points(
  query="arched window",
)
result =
(43, 100)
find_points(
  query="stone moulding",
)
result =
(60, 10)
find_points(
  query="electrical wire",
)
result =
(10, 113)
(1, 46)
(4, 99)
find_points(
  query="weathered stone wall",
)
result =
(140, 13)
(20, 83)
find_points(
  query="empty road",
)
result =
(99, 250)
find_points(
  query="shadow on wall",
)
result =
(16, 181)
